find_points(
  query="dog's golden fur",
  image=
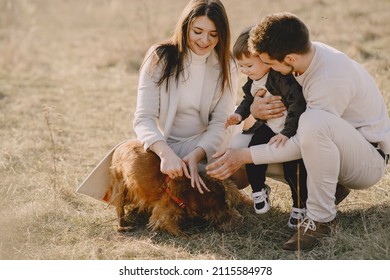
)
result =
(136, 180)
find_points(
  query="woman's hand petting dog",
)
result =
(175, 167)
(171, 164)
(192, 160)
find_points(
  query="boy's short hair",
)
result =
(241, 47)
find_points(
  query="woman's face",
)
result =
(203, 35)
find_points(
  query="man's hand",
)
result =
(228, 162)
(278, 139)
(261, 92)
(269, 107)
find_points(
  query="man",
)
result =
(343, 136)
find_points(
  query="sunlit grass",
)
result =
(81, 59)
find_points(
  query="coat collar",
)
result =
(211, 86)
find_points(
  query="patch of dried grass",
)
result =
(81, 58)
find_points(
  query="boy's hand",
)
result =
(233, 120)
(278, 139)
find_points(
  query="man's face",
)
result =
(282, 67)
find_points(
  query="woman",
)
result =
(187, 88)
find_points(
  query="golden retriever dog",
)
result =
(136, 180)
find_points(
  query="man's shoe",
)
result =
(308, 235)
(341, 193)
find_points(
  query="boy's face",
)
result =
(253, 67)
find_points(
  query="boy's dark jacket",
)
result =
(291, 92)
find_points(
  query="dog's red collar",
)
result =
(168, 191)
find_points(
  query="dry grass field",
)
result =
(68, 79)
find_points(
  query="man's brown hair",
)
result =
(278, 35)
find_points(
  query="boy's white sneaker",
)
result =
(296, 217)
(261, 201)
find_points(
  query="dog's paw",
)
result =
(124, 229)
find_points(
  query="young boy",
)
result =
(262, 81)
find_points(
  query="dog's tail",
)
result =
(233, 196)
(114, 188)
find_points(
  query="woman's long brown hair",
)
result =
(173, 53)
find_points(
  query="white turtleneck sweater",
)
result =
(277, 124)
(187, 123)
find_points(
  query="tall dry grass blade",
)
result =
(46, 113)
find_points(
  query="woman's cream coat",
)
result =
(156, 107)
